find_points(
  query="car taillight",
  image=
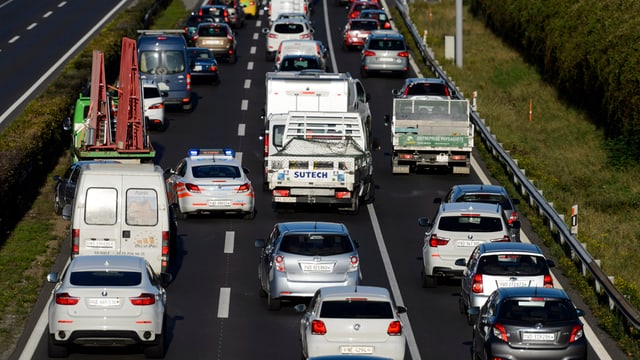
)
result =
(318, 327)
(353, 263)
(143, 299)
(165, 243)
(548, 281)
(305, 36)
(403, 54)
(387, 25)
(499, 332)
(213, 68)
(435, 241)
(229, 37)
(281, 193)
(193, 188)
(395, 328)
(266, 145)
(513, 217)
(156, 106)
(66, 299)
(369, 53)
(576, 333)
(188, 85)
(505, 238)
(353, 15)
(243, 188)
(279, 262)
(194, 37)
(405, 156)
(273, 35)
(75, 241)
(476, 284)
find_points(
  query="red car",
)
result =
(357, 31)
(357, 6)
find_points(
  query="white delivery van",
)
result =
(277, 7)
(122, 209)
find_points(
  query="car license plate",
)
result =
(104, 301)
(100, 244)
(356, 349)
(285, 199)
(385, 59)
(313, 267)
(214, 42)
(442, 158)
(467, 243)
(521, 283)
(538, 336)
(197, 68)
(219, 203)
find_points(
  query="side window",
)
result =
(153, 278)
(141, 207)
(101, 206)
(313, 304)
(74, 175)
(473, 259)
(362, 96)
(181, 169)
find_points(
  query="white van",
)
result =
(302, 47)
(122, 209)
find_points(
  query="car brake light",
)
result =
(387, 25)
(318, 327)
(403, 54)
(243, 188)
(143, 299)
(576, 333)
(213, 68)
(476, 284)
(66, 299)
(273, 36)
(435, 241)
(395, 328)
(75, 241)
(156, 106)
(279, 262)
(499, 332)
(188, 85)
(281, 193)
(548, 281)
(165, 243)
(194, 37)
(193, 188)
(353, 263)
(305, 36)
(229, 37)
(505, 238)
(369, 53)
(513, 217)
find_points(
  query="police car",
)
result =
(210, 181)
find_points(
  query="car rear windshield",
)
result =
(105, 278)
(212, 31)
(316, 244)
(299, 63)
(151, 92)
(363, 25)
(537, 311)
(356, 309)
(288, 28)
(486, 198)
(215, 171)
(386, 44)
(523, 265)
(470, 223)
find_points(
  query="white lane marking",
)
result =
(259, 22)
(395, 288)
(14, 39)
(241, 129)
(245, 105)
(47, 14)
(239, 157)
(5, 3)
(250, 65)
(252, 50)
(223, 302)
(61, 4)
(256, 36)
(32, 26)
(229, 236)
(247, 84)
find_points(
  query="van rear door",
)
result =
(99, 233)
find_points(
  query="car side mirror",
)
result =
(551, 263)
(66, 124)
(265, 30)
(423, 221)
(401, 309)
(53, 277)
(437, 200)
(300, 308)
(580, 312)
(461, 262)
(367, 97)
(260, 243)
(246, 171)
(396, 92)
(387, 120)
(165, 279)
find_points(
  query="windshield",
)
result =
(162, 62)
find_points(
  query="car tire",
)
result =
(261, 292)
(429, 281)
(56, 350)
(461, 307)
(232, 58)
(273, 303)
(364, 73)
(180, 215)
(157, 350)
(57, 207)
(250, 215)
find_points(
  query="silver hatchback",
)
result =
(298, 258)
(384, 51)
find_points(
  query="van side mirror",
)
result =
(265, 30)
(387, 120)
(165, 279)
(396, 92)
(66, 124)
(67, 211)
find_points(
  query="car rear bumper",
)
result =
(282, 287)
(577, 350)
(106, 337)
(392, 348)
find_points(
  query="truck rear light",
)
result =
(476, 284)
(243, 188)
(458, 157)
(435, 241)
(281, 193)
(279, 263)
(318, 327)
(369, 53)
(165, 244)
(395, 328)
(266, 145)
(406, 156)
(548, 281)
(66, 299)
(576, 333)
(75, 241)
(343, 194)
(193, 188)
(188, 100)
(143, 299)
(403, 54)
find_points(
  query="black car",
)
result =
(203, 64)
(529, 323)
(66, 184)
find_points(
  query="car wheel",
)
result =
(57, 207)
(232, 58)
(274, 304)
(461, 307)
(250, 215)
(157, 350)
(470, 319)
(364, 73)
(428, 281)
(261, 292)
(56, 350)
(180, 215)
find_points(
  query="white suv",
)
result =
(285, 30)
(455, 231)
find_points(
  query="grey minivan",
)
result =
(163, 58)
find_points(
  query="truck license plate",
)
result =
(442, 158)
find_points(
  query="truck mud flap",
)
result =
(461, 170)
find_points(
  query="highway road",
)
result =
(214, 310)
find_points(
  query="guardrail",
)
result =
(555, 221)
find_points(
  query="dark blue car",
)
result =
(203, 65)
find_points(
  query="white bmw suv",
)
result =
(455, 231)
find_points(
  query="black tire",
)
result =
(261, 292)
(461, 307)
(232, 58)
(364, 73)
(56, 350)
(57, 207)
(180, 215)
(273, 303)
(250, 215)
(429, 281)
(157, 350)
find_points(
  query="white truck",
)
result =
(325, 159)
(308, 91)
(277, 7)
(431, 133)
